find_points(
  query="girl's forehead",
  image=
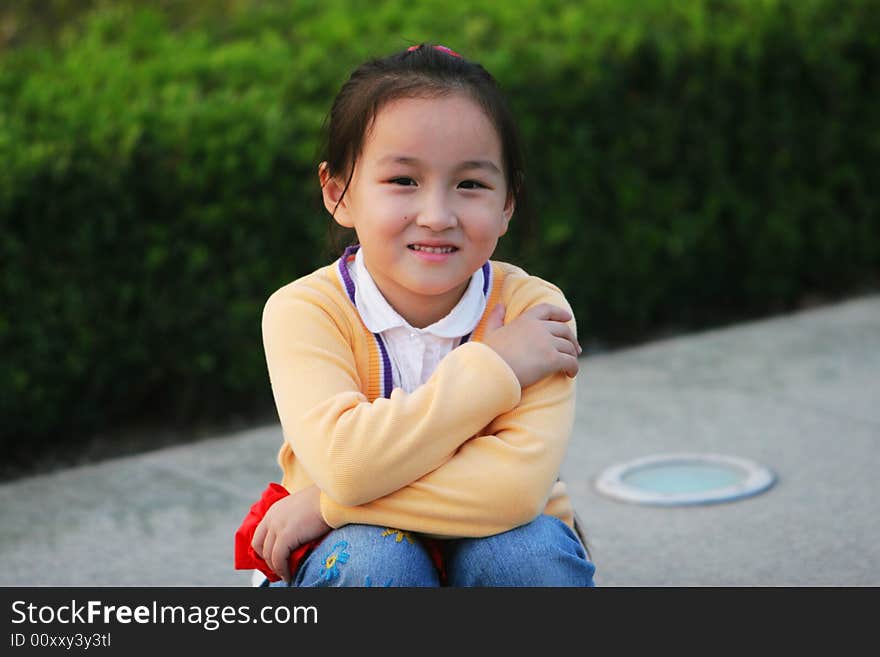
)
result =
(449, 126)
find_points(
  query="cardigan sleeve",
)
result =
(495, 481)
(356, 450)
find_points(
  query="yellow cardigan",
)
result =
(468, 453)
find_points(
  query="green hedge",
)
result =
(690, 163)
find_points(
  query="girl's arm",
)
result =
(493, 483)
(354, 450)
(496, 481)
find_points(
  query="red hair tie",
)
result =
(448, 51)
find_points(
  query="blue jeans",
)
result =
(544, 552)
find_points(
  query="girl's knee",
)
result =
(366, 555)
(544, 552)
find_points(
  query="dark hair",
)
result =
(421, 71)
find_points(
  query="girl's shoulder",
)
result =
(520, 290)
(321, 287)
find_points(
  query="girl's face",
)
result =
(428, 201)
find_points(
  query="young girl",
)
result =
(426, 393)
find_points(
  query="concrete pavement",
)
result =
(798, 393)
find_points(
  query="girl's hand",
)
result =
(536, 344)
(290, 522)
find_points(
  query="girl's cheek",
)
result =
(489, 228)
(399, 209)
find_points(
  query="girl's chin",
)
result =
(437, 288)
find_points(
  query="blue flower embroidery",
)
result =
(338, 555)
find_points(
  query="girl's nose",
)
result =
(437, 214)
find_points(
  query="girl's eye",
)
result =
(471, 184)
(403, 181)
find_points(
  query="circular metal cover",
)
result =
(684, 478)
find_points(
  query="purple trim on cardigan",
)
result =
(387, 375)
(343, 271)
(387, 378)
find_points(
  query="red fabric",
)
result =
(247, 559)
(436, 552)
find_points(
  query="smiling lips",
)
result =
(432, 249)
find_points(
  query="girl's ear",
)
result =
(332, 190)
(507, 212)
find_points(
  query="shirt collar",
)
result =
(378, 315)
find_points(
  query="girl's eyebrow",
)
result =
(398, 159)
(468, 164)
(480, 164)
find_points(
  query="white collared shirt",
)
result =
(415, 353)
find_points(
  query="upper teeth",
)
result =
(433, 249)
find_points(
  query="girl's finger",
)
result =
(569, 365)
(267, 550)
(548, 311)
(563, 331)
(495, 320)
(259, 538)
(565, 346)
(280, 557)
(566, 357)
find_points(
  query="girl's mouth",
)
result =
(432, 249)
